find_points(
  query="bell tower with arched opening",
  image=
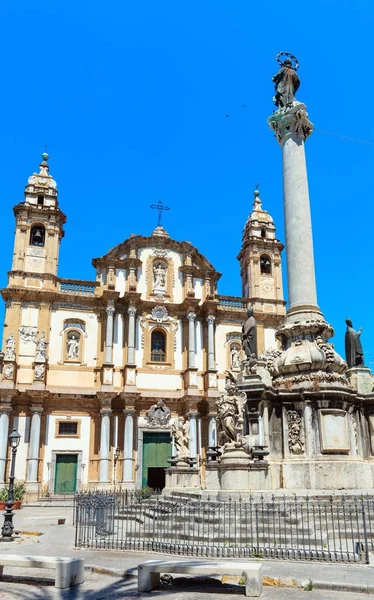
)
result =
(39, 229)
(261, 273)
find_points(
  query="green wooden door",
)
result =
(156, 452)
(66, 473)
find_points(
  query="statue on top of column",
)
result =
(286, 81)
(249, 336)
(354, 353)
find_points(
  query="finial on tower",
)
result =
(257, 200)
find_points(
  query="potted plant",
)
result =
(19, 491)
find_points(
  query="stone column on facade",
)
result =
(109, 333)
(104, 445)
(4, 432)
(211, 354)
(131, 336)
(212, 431)
(191, 339)
(128, 446)
(193, 434)
(34, 444)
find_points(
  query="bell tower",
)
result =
(261, 272)
(39, 229)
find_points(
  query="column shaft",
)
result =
(34, 443)
(4, 432)
(191, 339)
(211, 354)
(104, 446)
(193, 435)
(298, 226)
(109, 334)
(131, 337)
(212, 431)
(128, 447)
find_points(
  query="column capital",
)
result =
(132, 310)
(129, 411)
(110, 310)
(210, 319)
(36, 409)
(191, 316)
(5, 410)
(106, 411)
(291, 122)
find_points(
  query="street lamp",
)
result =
(7, 529)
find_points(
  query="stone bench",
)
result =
(149, 572)
(69, 571)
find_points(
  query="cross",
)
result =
(45, 147)
(160, 208)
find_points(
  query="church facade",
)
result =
(93, 373)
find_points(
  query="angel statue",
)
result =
(180, 430)
(230, 415)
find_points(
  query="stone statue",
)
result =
(180, 431)
(159, 276)
(354, 354)
(73, 347)
(230, 416)
(10, 348)
(235, 357)
(249, 336)
(287, 83)
(41, 348)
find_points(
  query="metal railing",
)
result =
(303, 528)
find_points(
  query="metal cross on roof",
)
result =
(159, 206)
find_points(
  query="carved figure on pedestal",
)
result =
(159, 276)
(286, 81)
(353, 349)
(230, 415)
(235, 357)
(10, 348)
(41, 348)
(249, 336)
(73, 345)
(180, 430)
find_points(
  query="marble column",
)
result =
(131, 336)
(104, 445)
(211, 354)
(109, 333)
(4, 432)
(34, 444)
(212, 431)
(193, 434)
(128, 446)
(292, 128)
(191, 339)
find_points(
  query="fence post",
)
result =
(365, 533)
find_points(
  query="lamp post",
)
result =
(7, 529)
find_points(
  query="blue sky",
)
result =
(132, 98)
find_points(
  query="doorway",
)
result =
(156, 452)
(66, 473)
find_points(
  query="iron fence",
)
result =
(304, 528)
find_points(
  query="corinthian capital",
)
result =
(131, 311)
(290, 122)
(210, 319)
(191, 316)
(110, 308)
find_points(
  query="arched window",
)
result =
(158, 346)
(263, 232)
(265, 264)
(40, 200)
(37, 235)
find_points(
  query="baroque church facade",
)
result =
(94, 373)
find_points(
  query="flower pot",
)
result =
(17, 505)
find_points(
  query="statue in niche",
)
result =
(41, 348)
(159, 276)
(73, 344)
(249, 336)
(354, 353)
(230, 415)
(10, 347)
(180, 431)
(286, 81)
(235, 357)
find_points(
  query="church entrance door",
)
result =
(156, 452)
(66, 473)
